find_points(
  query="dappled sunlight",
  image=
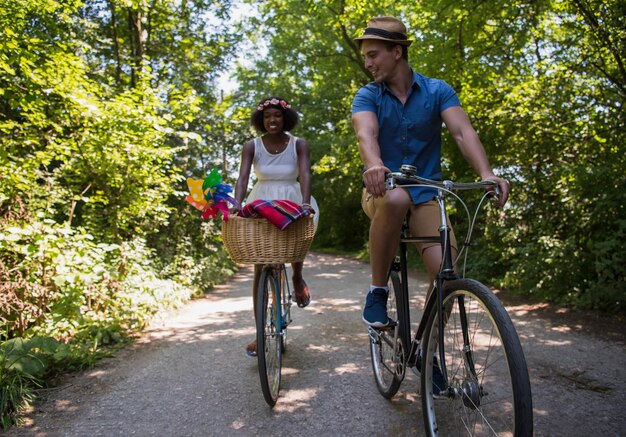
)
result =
(202, 334)
(289, 371)
(340, 302)
(348, 368)
(65, 405)
(224, 305)
(293, 400)
(328, 275)
(207, 319)
(557, 343)
(337, 304)
(523, 310)
(238, 424)
(330, 260)
(322, 348)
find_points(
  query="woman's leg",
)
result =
(300, 288)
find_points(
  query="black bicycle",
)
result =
(464, 334)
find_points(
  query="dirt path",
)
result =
(189, 376)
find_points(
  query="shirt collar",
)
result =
(415, 83)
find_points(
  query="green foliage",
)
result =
(544, 84)
(23, 364)
(107, 106)
(16, 388)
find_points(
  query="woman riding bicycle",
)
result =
(282, 165)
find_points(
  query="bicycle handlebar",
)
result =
(403, 178)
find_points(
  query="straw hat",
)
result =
(386, 29)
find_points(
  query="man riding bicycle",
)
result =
(398, 120)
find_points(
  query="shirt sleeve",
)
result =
(364, 100)
(447, 97)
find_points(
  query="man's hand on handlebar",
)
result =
(374, 180)
(503, 186)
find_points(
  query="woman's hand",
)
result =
(309, 208)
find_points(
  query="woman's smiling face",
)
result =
(273, 120)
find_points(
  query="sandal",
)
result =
(251, 349)
(298, 299)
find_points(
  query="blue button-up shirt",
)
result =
(410, 133)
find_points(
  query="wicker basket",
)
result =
(255, 240)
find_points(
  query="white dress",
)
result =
(277, 175)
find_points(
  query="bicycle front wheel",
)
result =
(285, 303)
(268, 332)
(488, 391)
(386, 345)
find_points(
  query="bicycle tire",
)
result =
(496, 398)
(269, 348)
(386, 348)
(286, 308)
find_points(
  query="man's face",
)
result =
(379, 59)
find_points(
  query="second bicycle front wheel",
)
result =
(268, 331)
(488, 391)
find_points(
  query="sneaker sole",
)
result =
(375, 324)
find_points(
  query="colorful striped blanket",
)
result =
(281, 213)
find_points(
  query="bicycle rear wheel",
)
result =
(488, 389)
(386, 345)
(268, 331)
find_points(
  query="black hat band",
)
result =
(384, 34)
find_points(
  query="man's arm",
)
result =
(365, 125)
(460, 127)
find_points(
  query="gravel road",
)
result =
(189, 375)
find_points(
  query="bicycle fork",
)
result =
(470, 390)
(283, 315)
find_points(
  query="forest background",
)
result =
(107, 106)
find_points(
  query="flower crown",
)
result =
(274, 102)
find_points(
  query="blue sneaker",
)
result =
(439, 383)
(375, 311)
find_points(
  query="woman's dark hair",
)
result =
(290, 117)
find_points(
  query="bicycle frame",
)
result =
(435, 298)
(284, 315)
(446, 273)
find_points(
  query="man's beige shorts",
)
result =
(424, 220)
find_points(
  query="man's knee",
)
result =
(395, 204)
